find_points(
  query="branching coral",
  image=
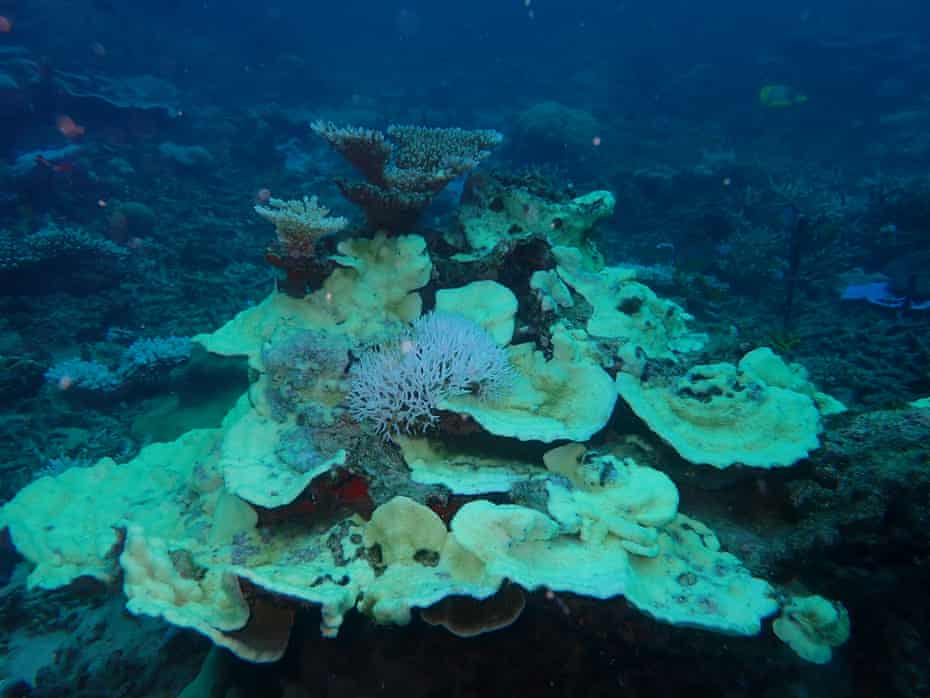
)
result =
(366, 149)
(36, 262)
(398, 387)
(299, 224)
(404, 173)
(146, 362)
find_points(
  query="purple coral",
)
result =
(398, 387)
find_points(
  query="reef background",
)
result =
(189, 112)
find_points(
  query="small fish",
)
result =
(780, 97)
(59, 167)
(68, 127)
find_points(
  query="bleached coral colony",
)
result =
(367, 468)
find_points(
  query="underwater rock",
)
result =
(553, 132)
(192, 157)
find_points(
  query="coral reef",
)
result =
(652, 488)
(503, 462)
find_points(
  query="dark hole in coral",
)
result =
(429, 558)
(630, 305)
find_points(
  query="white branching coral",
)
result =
(299, 223)
(397, 387)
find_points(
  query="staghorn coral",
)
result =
(550, 132)
(405, 168)
(148, 359)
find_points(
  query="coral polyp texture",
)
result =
(388, 389)
(405, 168)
